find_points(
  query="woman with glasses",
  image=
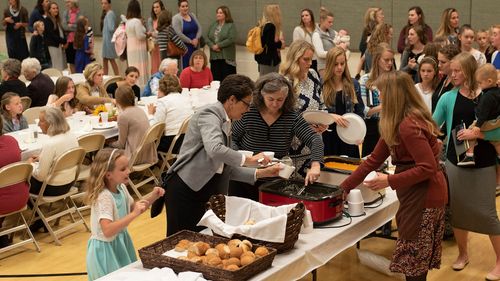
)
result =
(270, 125)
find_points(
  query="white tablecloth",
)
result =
(314, 249)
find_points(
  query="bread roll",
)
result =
(245, 245)
(214, 261)
(245, 260)
(199, 248)
(192, 254)
(232, 267)
(183, 258)
(212, 251)
(235, 261)
(224, 251)
(261, 251)
(196, 259)
(247, 254)
(234, 242)
(182, 245)
(235, 252)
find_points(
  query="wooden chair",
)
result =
(69, 161)
(91, 143)
(52, 72)
(111, 80)
(169, 155)
(26, 101)
(32, 113)
(152, 136)
(12, 174)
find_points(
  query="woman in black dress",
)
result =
(15, 20)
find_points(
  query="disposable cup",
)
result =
(355, 196)
(247, 153)
(286, 171)
(79, 113)
(104, 117)
(109, 106)
(356, 209)
(269, 154)
(94, 121)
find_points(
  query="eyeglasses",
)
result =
(246, 103)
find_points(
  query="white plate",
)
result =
(356, 130)
(104, 126)
(318, 117)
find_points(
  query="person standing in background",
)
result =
(54, 37)
(188, 28)
(108, 25)
(305, 32)
(221, 39)
(323, 38)
(152, 27)
(69, 18)
(15, 20)
(38, 13)
(415, 17)
(272, 40)
(137, 53)
(449, 25)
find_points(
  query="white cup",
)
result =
(37, 121)
(33, 131)
(355, 196)
(104, 117)
(215, 84)
(94, 121)
(286, 171)
(269, 154)
(247, 153)
(109, 106)
(356, 209)
(79, 113)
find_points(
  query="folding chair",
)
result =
(32, 113)
(152, 136)
(69, 162)
(169, 155)
(111, 80)
(9, 175)
(26, 101)
(52, 72)
(91, 143)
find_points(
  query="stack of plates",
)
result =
(318, 117)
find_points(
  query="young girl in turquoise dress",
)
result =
(113, 209)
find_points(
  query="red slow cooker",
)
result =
(323, 200)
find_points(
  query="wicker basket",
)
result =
(151, 256)
(293, 223)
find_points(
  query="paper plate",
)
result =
(318, 117)
(356, 130)
(104, 126)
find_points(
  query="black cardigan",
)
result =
(270, 56)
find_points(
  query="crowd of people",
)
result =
(436, 115)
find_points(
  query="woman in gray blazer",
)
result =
(221, 38)
(206, 162)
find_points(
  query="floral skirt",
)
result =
(416, 257)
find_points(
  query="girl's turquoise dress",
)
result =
(105, 257)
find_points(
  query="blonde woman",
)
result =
(342, 95)
(272, 40)
(323, 38)
(383, 61)
(382, 34)
(373, 17)
(409, 135)
(449, 25)
(92, 92)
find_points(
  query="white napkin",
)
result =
(270, 222)
(159, 274)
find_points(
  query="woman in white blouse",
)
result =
(171, 108)
(64, 96)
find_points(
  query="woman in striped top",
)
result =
(166, 33)
(270, 125)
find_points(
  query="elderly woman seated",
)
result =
(198, 74)
(92, 92)
(11, 69)
(41, 85)
(171, 108)
(167, 66)
(131, 76)
(269, 125)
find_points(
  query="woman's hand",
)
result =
(195, 42)
(412, 63)
(8, 20)
(215, 48)
(68, 97)
(469, 134)
(254, 160)
(151, 108)
(380, 182)
(32, 159)
(319, 128)
(341, 121)
(313, 173)
(269, 172)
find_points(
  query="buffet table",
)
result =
(312, 250)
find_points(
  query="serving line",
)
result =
(311, 250)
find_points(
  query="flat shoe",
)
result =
(492, 277)
(457, 266)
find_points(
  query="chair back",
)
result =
(26, 101)
(91, 142)
(182, 130)
(15, 173)
(32, 113)
(52, 72)
(69, 160)
(111, 80)
(153, 135)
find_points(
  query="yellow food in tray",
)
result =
(341, 166)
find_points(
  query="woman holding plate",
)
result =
(342, 95)
(270, 125)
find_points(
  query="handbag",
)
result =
(173, 50)
(150, 44)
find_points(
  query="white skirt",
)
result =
(58, 57)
